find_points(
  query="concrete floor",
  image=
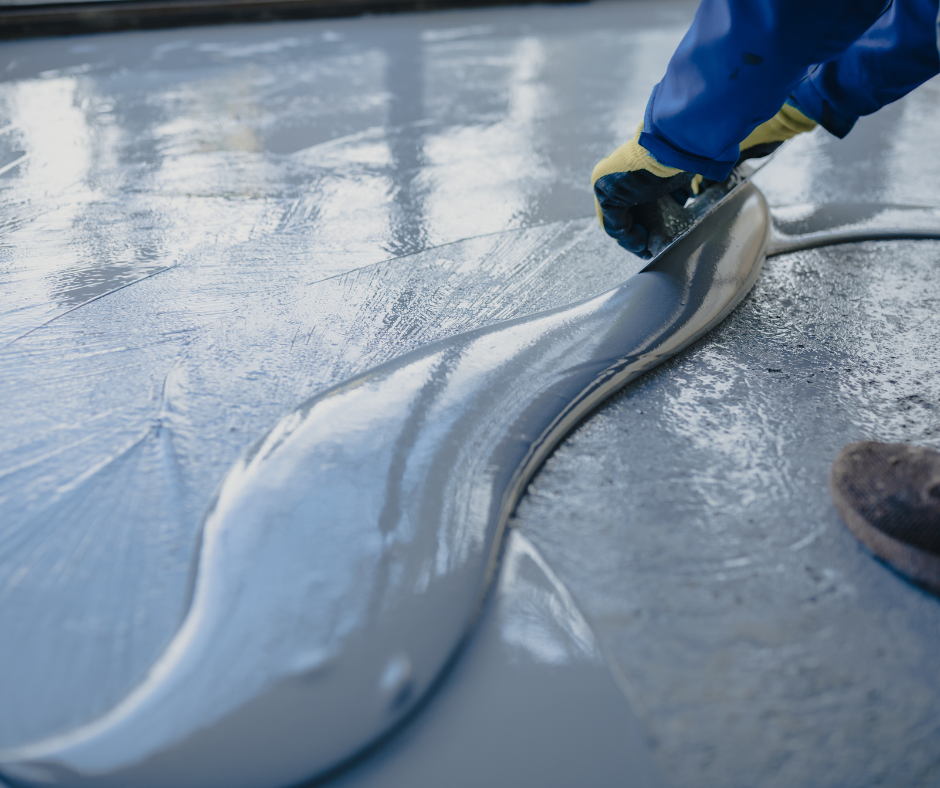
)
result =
(692, 521)
(261, 186)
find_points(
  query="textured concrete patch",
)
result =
(692, 520)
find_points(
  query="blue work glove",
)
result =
(626, 184)
(629, 181)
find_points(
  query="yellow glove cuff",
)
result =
(785, 125)
(629, 157)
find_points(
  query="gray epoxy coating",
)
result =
(256, 163)
(144, 151)
(763, 643)
(532, 692)
(345, 554)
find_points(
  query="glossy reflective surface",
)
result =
(275, 172)
(692, 521)
(346, 554)
(531, 691)
(302, 149)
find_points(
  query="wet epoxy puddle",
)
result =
(172, 379)
(431, 404)
(164, 383)
(434, 448)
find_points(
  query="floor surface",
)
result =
(200, 228)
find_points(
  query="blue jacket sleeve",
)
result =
(892, 57)
(734, 69)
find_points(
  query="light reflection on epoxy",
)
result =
(202, 359)
(290, 93)
(253, 161)
(544, 622)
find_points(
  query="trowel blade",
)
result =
(677, 220)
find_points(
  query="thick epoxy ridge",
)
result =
(570, 358)
(801, 227)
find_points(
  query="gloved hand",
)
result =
(627, 182)
(625, 185)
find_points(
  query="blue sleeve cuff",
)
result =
(665, 151)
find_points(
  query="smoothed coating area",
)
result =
(102, 508)
(255, 162)
(692, 521)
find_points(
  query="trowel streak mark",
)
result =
(94, 521)
(214, 401)
(252, 161)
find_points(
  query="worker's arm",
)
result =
(895, 55)
(735, 68)
(628, 181)
(732, 72)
